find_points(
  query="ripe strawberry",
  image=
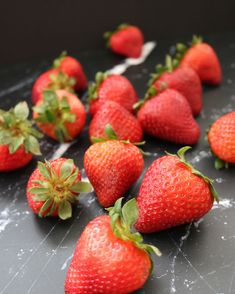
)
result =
(53, 186)
(52, 79)
(168, 116)
(112, 167)
(111, 88)
(73, 68)
(60, 115)
(125, 125)
(221, 138)
(182, 79)
(109, 257)
(202, 58)
(18, 139)
(126, 40)
(173, 193)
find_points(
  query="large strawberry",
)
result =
(126, 40)
(60, 115)
(112, 166)
(54, 186)
(18, 138)
(202, 58)
(125, 125)
(173, 193)
(168, 116)
(183, 79)
(110, 258)
(116, 88)
(221, 137)
(73, 68)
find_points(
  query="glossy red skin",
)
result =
(203, 59)
(168, 116)
(103, 263)
(125, 125)
(73, 68)
(186, 81)
(76, 107)
(36, 175)
(127, 42)
(221, 137)
(115, 88)
(9, 162)
(112, 168)
(171, 195)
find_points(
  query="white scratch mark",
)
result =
(65, 264)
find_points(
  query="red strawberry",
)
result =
(221, 138)
(52, 79)
(18, 139)
(112, 167)
(73, 68)
(125, 125)
(54, 186)
(173, 193)
(109, 257)
(168, 116)
(182, 79)
(202, 58)
(60, 115)
(113, 88)
(126, 40)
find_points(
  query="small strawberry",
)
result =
(126, 40)
(221, 137)
(60, 115)
(202, 58)
(52, 79)
(18, 138)
(125, 125)
(182, 79)
(110, 257)
(112, 166)
(168, 116)
(54, 186)
(116, 88)
(73, 68)
(173, 193)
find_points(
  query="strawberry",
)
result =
(60, 115)
(182, 79)
(54, 186)
(221, 137)
(125, 125)
(73, 68)
(52, 79)
(18, 138)
(168, 116)
(173, 193)
(116, 88)
(110, 257)
(202, 58)
(112, 166)
(126, 40)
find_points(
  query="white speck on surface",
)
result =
(223, 204)
(65, 264)
(223, 238)
(229, 81)
(218, 112)
(200, 155)
(4, 219)
(219, 180)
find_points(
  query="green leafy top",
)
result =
(181, 155)
(61, 81)
(17, 130)
(94, 86)
(122, 220)
(57, 112)
(58, 191)
(107, 35)
(58, 60)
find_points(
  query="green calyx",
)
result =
(56, 112)
(61, 81)
(219, 163)
(16, 130)
(94, 86)
(58, 191)
(107, 35)
(58, 60)
(181, 155)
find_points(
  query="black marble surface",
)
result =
(197, 258)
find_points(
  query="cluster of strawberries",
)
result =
(111, 256)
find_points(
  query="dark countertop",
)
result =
(197, 258)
